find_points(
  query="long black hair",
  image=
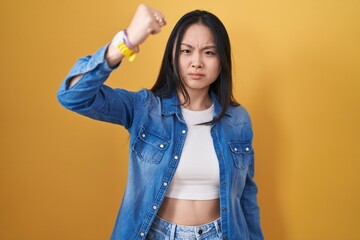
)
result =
(169, 78)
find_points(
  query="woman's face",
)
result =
(199, 62)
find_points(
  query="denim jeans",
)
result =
(164, 230)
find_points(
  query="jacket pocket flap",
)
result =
(241, 147)
(153, 139)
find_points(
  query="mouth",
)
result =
(196, 75)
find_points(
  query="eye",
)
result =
(185, 51)
(210, 53)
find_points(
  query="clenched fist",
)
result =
(146, 21)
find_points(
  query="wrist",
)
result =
(128, 41)
(124, 46)
(113, 56)
(130, 36)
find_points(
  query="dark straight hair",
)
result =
(169, 79)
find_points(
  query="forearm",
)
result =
(142, 25)
(88, 74)
(250, 207)
(113, 57)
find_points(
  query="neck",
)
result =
(198, 101)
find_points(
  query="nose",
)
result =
(197, 61)
(196, 66)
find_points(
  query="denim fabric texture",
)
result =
(157, 135)
(164, 230)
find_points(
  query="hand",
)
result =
(145, 21)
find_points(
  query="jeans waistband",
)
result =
(182, 231)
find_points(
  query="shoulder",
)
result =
(239, 114)
(239, 124)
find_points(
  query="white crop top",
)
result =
(197, 175)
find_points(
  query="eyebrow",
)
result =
(206, 47)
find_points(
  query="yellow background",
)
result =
(297, 71)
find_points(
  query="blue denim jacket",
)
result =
(157, 135)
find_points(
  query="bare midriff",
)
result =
(189, 212)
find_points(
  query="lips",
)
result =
(196, 75)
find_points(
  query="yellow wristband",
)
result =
(121, 42)
(126, 51)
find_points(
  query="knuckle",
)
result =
(142, 5)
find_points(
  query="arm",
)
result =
(83, 90)
(113, 58)
(250, 206)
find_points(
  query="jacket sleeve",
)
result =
(90, 97)
(250, 206)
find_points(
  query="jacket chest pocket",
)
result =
(149, 146)
(242, 153)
